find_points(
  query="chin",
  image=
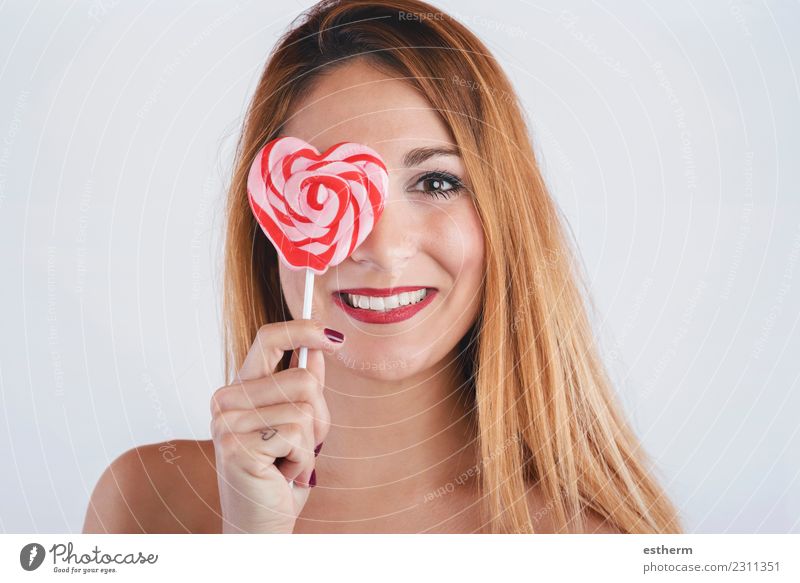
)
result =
(388, 365)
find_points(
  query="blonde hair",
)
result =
(545, 408)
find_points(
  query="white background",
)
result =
(669, 133)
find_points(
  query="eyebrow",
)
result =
(417, 156)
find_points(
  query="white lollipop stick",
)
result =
(309, 292)
(302, 358)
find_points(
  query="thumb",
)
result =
(300, 495)
(316, 364)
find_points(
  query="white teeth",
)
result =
(383, 303)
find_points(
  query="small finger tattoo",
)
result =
(268, 433)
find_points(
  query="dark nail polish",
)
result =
(333, 335)
(316, 450)
(312, 481)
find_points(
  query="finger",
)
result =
(256, 451)
(247, 420)
(316, 365)
(269, 444)
(290, 386)
(322, 422)
(272, 340)
(293, 361)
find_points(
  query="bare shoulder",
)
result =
(541, 514)
(166, 487)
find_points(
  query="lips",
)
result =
(388, 316)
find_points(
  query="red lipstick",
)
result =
(388, 316)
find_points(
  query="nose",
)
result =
(392, 241)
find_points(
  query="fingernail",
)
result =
(312, 481)
(333, 335)
(316, 450)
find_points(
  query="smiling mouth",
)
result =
(383, 300)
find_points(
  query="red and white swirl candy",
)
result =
(316, 209)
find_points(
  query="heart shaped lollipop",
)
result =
(316, 209)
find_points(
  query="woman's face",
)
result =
(429, 236)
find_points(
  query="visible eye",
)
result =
(440, 184)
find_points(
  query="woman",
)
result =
(484, 408)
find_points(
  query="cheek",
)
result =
(292, 283)
(456, 238)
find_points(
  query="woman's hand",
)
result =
(270, 415)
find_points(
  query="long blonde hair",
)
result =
(545, 408)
